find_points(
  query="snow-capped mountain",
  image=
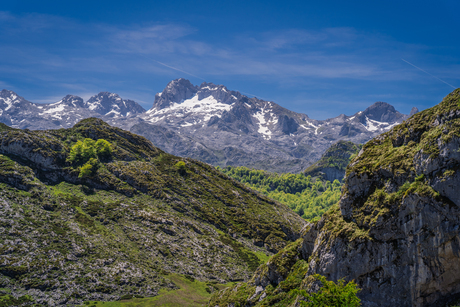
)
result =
(109, 104)
(17, 112)
(223, 127)
(211, 123)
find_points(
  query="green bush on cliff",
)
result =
(82, 152)
(87, 153)
(180, 166)
(331, 294)
(88, 168)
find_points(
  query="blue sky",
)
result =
(321, 58)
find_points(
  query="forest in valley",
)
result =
(309, 197)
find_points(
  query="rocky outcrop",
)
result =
(403, 215)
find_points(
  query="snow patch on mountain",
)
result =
(9, 101)
(55, 111)
(265, 119)
(373, 125)
(312, 125)
(204, 108)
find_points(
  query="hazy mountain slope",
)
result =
(395, 230)
(120, 228)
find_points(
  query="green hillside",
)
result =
(95, 213)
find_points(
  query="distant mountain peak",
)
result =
(175, 92)
(413, 111)
(106, 103)
(9, 99)
(73, 101)
(211, 123)
(7, 93)
(382, 112)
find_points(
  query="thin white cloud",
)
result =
(101, 56)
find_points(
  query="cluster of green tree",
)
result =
(309, 197)
(86, 154)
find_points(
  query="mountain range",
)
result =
(211, 123)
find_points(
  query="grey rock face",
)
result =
(413, 259)
(175, 92)
(399, 237)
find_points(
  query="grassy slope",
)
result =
(192, 293)
(120, 230)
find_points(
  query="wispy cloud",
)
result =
(51, 51)
(293, 53)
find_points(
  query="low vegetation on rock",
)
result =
(334, 161)
(283, 281)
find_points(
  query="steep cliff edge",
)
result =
(395, 230)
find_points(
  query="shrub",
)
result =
(87, 169)
(103, 148)
(180, 166)
(82, 152)
(332, 294)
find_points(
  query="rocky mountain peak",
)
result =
(8, 99)
(382, 112)
(413, 111)
(113, 105)
(175, 92)
(6, 93)
(73, 101)
(220, 93)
